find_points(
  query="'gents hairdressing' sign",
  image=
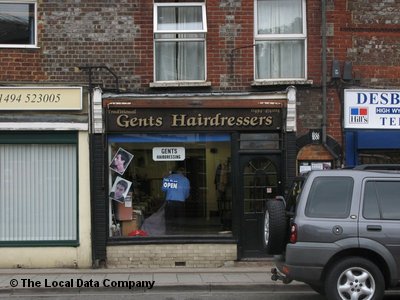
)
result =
(168, 153)
(120, 120)
(40, 98)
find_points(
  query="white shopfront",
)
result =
(44, 187)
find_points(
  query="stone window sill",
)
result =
(281, 82)
(180, 84)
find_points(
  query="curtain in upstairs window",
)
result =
(279, 17)
(280, 43)
(180, 56)
(279, 59)
(180, 61)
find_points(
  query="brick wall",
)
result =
(21, 65)
(368, 35)
(77, 33)
(375, 11)
(172, 255)
(362, 33)
(119, 35)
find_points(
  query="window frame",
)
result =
(192, 39)
(35, 35)
(280, 37)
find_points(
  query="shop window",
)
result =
(280, 40)
(38, 189)
(156, 198)
(17, 24)
(179, 41)
(387, 156)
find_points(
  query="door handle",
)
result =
(374, 227)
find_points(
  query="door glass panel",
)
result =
(260, 183)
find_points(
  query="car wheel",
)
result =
(275, 227)
(354, 278)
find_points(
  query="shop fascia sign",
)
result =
(168, 153)
(194, 119)
(40, 98)
(372, 109)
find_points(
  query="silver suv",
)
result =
(339, 232)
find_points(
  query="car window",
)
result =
(330, 197)
(382, 200)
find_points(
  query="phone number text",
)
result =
(30, 98)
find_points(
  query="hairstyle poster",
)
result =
(120, 189)
(120, 161)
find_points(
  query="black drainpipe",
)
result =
(98, 205)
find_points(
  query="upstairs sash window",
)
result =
(179, 38)
(280, 40)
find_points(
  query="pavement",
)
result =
(240, 276)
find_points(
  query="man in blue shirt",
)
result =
(177, 188)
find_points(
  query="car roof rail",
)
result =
(378, 167)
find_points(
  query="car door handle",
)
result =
(374, 227)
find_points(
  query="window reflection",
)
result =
(17, 24)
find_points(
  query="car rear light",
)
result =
(293, 233)
(285, 270)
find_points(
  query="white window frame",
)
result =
(281, 37)
(157, 31)
(34, 45)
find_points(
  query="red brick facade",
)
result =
(120, 36)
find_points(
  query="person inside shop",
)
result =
(120, 162)
(177, 189)
(120, 189)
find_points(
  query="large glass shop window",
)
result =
(386, 156)
(170, 184)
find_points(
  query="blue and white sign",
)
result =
(170, 184)
(372, 109)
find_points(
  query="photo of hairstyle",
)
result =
(120, 189)
(120, 161)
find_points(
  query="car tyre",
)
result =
(275, 227)
(355, 278)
